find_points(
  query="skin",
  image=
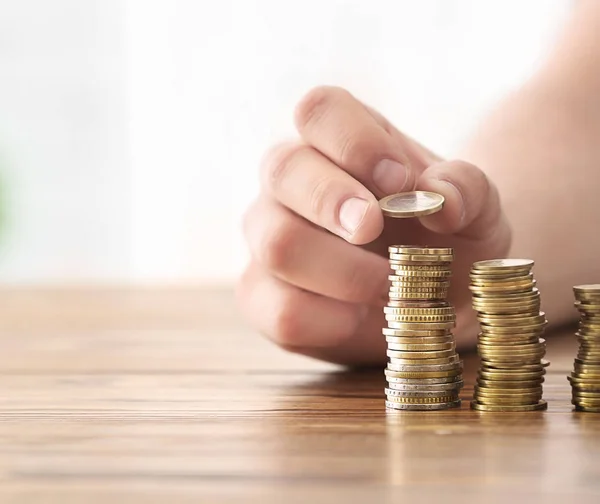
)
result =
(524, 186)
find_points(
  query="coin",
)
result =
(422, 326)
(418, 258)
(421, 318)
(421, 375)
(409, 333)
(411, 204)
(503, 265)
(414, 249)
(503, 385)
(419, 324)
(424, 382)
(428, 386)
(422, 407)
(420, 347)
(541, 405)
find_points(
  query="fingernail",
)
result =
(352, 213)
(390, 176)
(461, 200)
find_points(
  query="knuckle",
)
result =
(276, 247)
(315, 104)
(320, 194)
(278, 162)
(362, 149)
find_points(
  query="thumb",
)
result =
(472, 204)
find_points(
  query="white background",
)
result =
(130, 131)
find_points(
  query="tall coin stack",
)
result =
(510, 345)
(424, 371)
(585, 378)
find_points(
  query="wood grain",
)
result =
(160, 396)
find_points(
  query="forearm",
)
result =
(542, 149)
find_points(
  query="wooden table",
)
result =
(163, 396)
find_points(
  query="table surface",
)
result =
(165, 396)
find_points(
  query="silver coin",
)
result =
(429, 392)
(456, 385)
(411, 204)
(396, 382)
(412, 368)
(422, 407)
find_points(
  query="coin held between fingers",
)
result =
(411, 204)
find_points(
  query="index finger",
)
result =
(342, 128)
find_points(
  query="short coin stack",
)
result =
(508, 309)
(424, 371)
(585, 378)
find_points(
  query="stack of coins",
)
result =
(509, 344)
(585, 378)
(424, 371)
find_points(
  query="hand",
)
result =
(318, 277)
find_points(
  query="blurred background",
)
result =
(131, 130)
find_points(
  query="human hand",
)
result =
(318, 277)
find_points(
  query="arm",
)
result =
(542, 149)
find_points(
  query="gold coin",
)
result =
(504, 375)
(402, 275)
(423, 374)
(415, 249)
(438, 354)
(587, 394)
(416, 340)
(508, 297)
(587, 307)
(523, 309)
(418, 267)
(411, 204)
(422, 258)
(504, 385)
(423, 400)
(540, 344)
(504, 363)
(511, 392)
(420, 318)
(420, 347)
(585, 403)
(512, 329)
(578, 378)
(501, 291)
(483, 280)
(516, 284)
(414, 295)
(494, 265)
(417, 333)
(586, 409)
(421, 326)
(419, 285)
(441, 310)
(587, 289)
(507, 401)
(509, 316)
(510, 366)
(541, 405)
(512, 321)
(578, 381)
(398, 364)
(493, 342)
